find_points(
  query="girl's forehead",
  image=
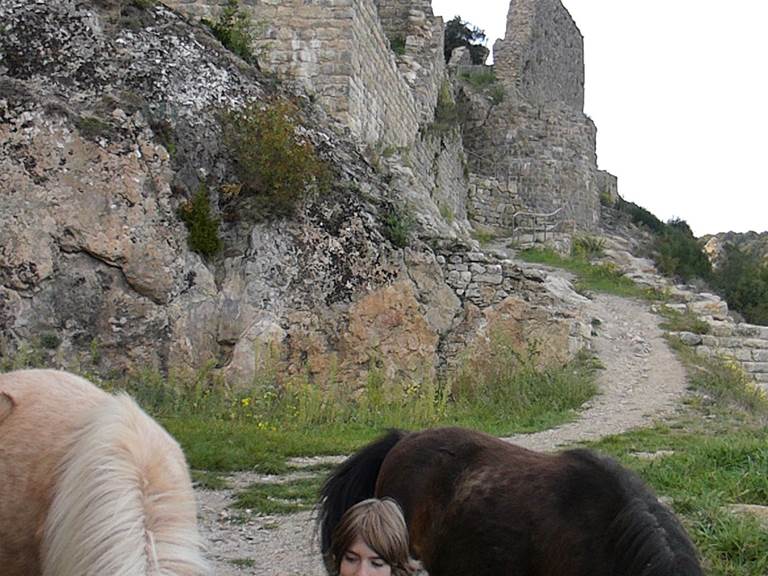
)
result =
(361, 548)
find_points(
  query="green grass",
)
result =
(683, 322)
(604, 277)
(280, 498)
(261, 429)
(717, 456)
(209, 480)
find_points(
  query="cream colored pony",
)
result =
(89, 484)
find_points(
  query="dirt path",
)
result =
(642, 382)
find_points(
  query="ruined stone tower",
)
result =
(538, 138)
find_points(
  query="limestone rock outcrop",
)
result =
(109, 123)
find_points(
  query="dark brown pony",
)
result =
(478, 506)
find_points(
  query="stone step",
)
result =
(733, 342)
(761, 378)
(751, 331)
(755, 367)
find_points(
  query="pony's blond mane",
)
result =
(123, 503)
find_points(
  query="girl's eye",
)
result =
(349, 557)
(378, 563)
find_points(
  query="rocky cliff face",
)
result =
(750, 242)
(109, 122)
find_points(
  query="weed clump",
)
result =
(397, 227)
(234, 29)
(202, 226)
(446, 110)
(397, 43)
(587, 247)
(272, 161)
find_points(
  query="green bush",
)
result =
(272, 161)
(640, 215)
(680, 254)
(742, 278)
(397, 227)
(397, 43)
(234, 29)
(677, 252)
(202, 226)
(480, 79)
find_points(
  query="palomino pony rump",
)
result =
(476, 505)
(89, 484)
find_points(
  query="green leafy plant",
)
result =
(234, 28)
(202, 226)
(680, 254)
(606, 199)
(460, 33)
(742, 278)
(397, 226)
(397, 43)
(49, 340)
(272, 160)
(587, 246)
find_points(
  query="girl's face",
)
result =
(360, 560)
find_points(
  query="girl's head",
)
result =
(380, 527)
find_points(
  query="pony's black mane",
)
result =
(351, 482)
(645, 538)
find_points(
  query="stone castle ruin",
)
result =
(104, 137)
(532, 152)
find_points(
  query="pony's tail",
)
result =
(352, 481)
(123, 502)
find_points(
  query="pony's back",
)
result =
(111, 491)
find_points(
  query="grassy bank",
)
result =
(711, 458)
(590, 277)
(224, 429)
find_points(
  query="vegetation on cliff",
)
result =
(742, 278)
(461, 33)
(234, 28)
(740, 275)
(273, 162)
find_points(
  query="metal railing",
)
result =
(544, 222)
(496, 168)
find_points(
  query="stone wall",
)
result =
(493, 202)
(542, 54)
(547, 152)
(430, 179)
(497, 296)
(421, 64)
(339, 51)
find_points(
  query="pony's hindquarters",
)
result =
(123, 503)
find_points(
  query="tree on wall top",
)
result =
(460, 33)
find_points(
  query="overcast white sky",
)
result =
(678, 90)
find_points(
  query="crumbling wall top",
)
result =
(542, 53)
